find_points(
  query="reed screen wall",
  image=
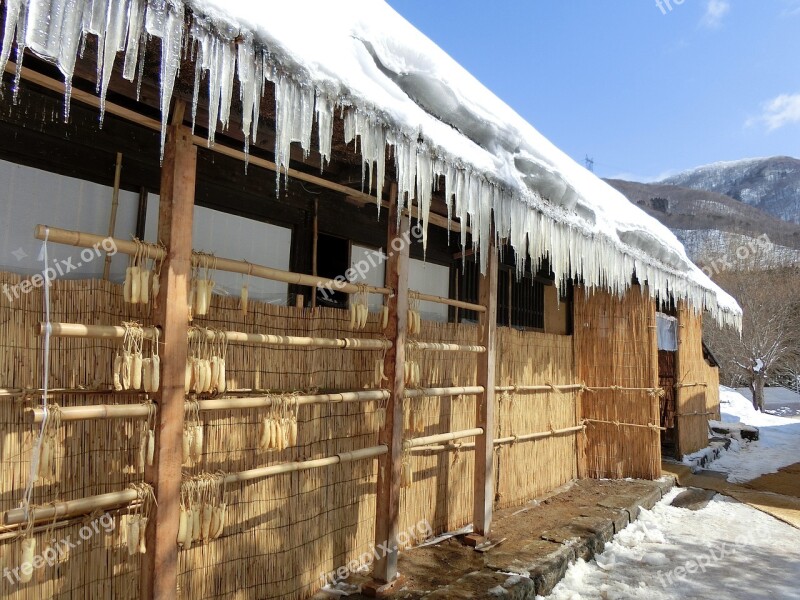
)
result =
(616, 351)
(283, 531)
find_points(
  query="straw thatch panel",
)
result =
(442, 492)
(526, 469)
(697, 388)
(284, 530)
(93, 457)
(616, 346)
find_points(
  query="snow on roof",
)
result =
(394, 87)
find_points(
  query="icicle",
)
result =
(134, 38)
(166, 21)
(294, 116)
(12, 20)
(115, 26)
(424, 193)
(324, 127)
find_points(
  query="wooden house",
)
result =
(280, 284)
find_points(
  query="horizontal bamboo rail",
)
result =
(140, 411)
(540, 388)
(441, 347)
(505, 440)
(538, 436)
(22, 392)
(305, 465)
(267, 400)
(90, 240)
(445, 391)
(96, 412)
(288, 340)
(695, 414)
(71, 508)
(116, 332)
(442, 437)
(620, 424)
(97, 332)
(449, 302)
(87, 505)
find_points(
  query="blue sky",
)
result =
(645, 91)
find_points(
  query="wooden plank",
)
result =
(387, 508)
(484, 444)
(159, 571)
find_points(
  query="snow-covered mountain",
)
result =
(718, 231)
(771, 184)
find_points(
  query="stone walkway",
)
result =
(539, 540)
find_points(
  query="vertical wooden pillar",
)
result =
(578, 323)
(484, 444)
(388, 500)
(159, 576)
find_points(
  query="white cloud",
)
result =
(779, 112)
(715, 12)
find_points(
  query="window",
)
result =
(520, 303)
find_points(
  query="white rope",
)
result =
(48, 330)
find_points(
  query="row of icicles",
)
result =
(132, 371)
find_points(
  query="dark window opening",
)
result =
(333, 260)
(520, 302)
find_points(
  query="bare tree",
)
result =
(769, 346)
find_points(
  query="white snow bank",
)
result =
(778, 445)
(725, 550)
(395, 87)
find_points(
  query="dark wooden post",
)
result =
(388, 501)
(484, 444)
(159, 576)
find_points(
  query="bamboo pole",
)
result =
(116, 499)
(441, 347)
(448, 301)
(521, 389)
(112, 221)
(70, 508)
(501, 441)
(445, 391)
(89, 240)
(96, 412)
(117, 332)
(442, 437)
(538, 436)
(267, 400)
(17, 392)
(306, 465)
(98, 332)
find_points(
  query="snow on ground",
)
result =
(725, 550)
(778, 446)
